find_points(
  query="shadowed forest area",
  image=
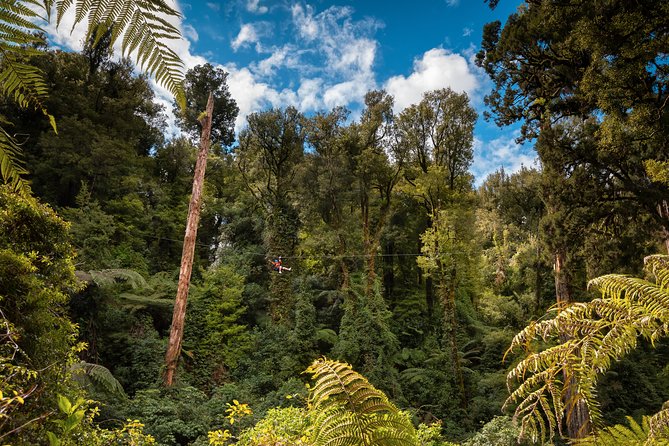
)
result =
(411, 308)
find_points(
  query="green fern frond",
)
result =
(99, 376)
(633, 435)
(108, 277)
(142, 27)
(659, 427)
(585, 339)
(10, 165)
(351, 412)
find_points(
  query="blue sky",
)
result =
(320, 54)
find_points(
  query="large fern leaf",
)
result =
(142, 27)
(96, 375)
(19, 81)
(583, 341)
(10, 163)
(633, 435)
(351, 412)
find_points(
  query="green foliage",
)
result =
(75, 426)
(350, 411)
(366, 340)
(500, 431)
(96, 375)
(287, 425)
(214, 335)
(199, 82)
(173, 416)
(36, 276)
(591, 336)
(137, 24)
(633, 435)
(140, 28)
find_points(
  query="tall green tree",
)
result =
(269, 153)
(198, 83)
(605, 61)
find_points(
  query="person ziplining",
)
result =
(277, 265)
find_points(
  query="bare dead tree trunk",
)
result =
(179, 314)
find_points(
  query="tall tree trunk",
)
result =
(663, 210)
(577, 415)
(447, 291)
(179, 314)
(345, 274)
(537, 278)
(389, 270)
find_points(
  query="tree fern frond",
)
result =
(659, 427)
(658, 265)
(10, 166)
(19, 81)
(98, 376)
(350, 411)
(108, 277)
(142, 27)
(633, 435)
(590, 337)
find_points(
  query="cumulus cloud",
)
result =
(247, 35)
(309, 94)
(436, 69)
(503, 151)
(254, 6)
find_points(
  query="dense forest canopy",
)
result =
(351, 253)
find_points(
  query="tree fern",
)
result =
(142, 26)
(20, 82)
(633, 435)
(581, 342)
(97, 376)
(108, 277)
(349, 411)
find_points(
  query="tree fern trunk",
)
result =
(179, 314)
(577, 415)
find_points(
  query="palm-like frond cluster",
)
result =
(633, 435)
(141, 25)
(19, 81)
(351, 412)
(583, 341)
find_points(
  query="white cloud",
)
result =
(254, 6)
(213, 6)
(247, 35)
(452, 2)
(504, 152)
(436, 69)
(466, 32)
(345, 44)
(308, 94)
(305, 22)
(190, 33)
(345, 93)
